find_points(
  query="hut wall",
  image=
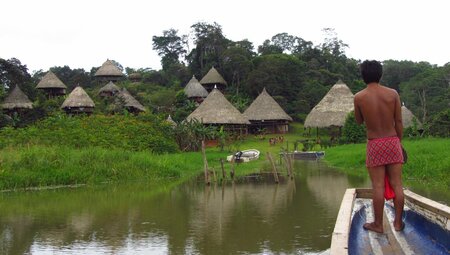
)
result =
(270, 127)
(198, 100)
(79, 110)
(233, 129)
(54, 92)
(107, 93)
(114, 79)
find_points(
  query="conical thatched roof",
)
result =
(333, 109)
(265, 108)
(50, 81)
(17, 100)
(135, 76)
(407, 117)
(78, 98)
(171, 121)
(130, 101)
(195, 89)
(108, 69)
(216, 109)
(109, 88)
(213, 77)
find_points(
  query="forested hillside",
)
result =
(294, 71)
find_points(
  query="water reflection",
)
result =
(296, 216)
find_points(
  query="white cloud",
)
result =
(83, 34)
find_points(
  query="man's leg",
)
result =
(377, 178)
(394, 172)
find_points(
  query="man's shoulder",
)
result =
(361, 93)
(389, 90)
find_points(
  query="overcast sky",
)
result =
(84, 33)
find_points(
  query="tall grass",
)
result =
(428, 160)
(34, 166)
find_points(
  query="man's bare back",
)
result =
(379, 107)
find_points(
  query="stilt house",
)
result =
(52, 85)
(266, 114)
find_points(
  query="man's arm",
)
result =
(358, 116)
(398, 117)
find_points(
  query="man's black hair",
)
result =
(371, 71)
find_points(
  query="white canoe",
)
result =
(245, 155)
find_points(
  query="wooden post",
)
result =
(291, 167)
(232, 168)
(223, 169)
(205, 164)
(286, 162)
(274, 169)
(214, 174)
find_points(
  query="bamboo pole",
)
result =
(286, 162)
(214, 174)
(205, 164)
(232, 168)
(274, 168)
(291, 167)
(223, 169)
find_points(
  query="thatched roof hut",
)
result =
(408, 117)
(52, 85)
(266, 113)
(171, 121)
(217, 110)
(108, 72)
(108, 90)
(333, 109)
(129, 102)
(135, 77)
(78, 101)
(195, 91)
(212, 79)
(16, 100)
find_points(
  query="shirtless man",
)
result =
(379, 108)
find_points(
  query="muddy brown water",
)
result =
(251, 216)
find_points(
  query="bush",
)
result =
(440, 125)
(352, 132)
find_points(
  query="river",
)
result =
(250, 216)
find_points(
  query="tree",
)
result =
(238, 63)
(170, 46)
(281, 74)
(73, 77)
(427, 93)
(396, 72)
(13, 73)
(210, 44)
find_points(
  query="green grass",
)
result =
(23, 166)
(36, 166)
(428, 160)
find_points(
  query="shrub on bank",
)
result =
(139, 133)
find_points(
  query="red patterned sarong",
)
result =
(384, 151)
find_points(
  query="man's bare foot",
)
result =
(373, 227)
(398, 227)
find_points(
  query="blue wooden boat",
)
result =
(427, 226)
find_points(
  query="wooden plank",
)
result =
(339, 239)
(364, 193)
(430, 209)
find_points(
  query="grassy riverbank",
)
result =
(428, 160)
(38, 165)
(35, 166)
(23, 166)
